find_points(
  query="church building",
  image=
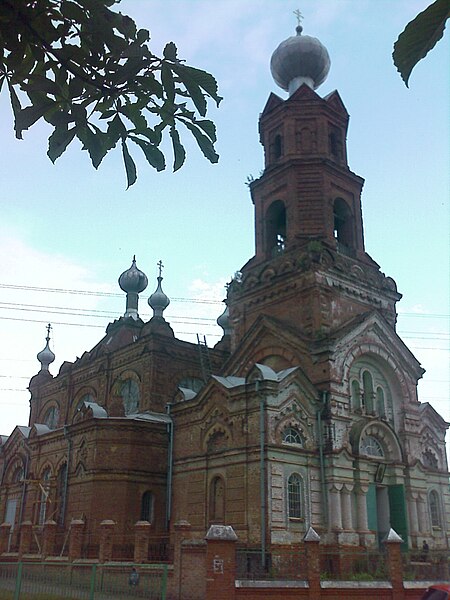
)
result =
(305, 413)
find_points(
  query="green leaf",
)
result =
(170, 52)
(93, 142)
(30, 114)
(203, 142)
(205, 80)
(168, 83)
(39, 83)
(419, 37)
(129, 163)
(152, 153)
(209, 128)
(178, 149)
(58, 142)
(16, 108)
(132, 112)
(192, 87)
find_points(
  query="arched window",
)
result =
(217, 500)
(381, 407)
(343, 224)
(356, 395)
(371, 447)
(61, 490)
(368, 391)
(292, 436)
(129, 390)
(295, 497)
(52, 417)
(85, 398)
(44, 487)
(18, 475)
(435, 512)
(275, 228)
(147, 506)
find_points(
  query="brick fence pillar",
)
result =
(221, 563)
(395, 563)
(76, 539)
(48, 539)
(312, 548)
(141, 540)
(26, 534)
(106, 540)
(5, 532)
(182, 530)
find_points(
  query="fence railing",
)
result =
(353, 565)
(54, 581)
(433, 565)
(277, 563)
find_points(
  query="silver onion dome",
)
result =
(46, 356)
(133, 282)
(158, 301)
(300, 59)
(224, 321)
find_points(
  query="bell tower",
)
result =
(310, 269)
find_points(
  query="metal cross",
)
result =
(299, 16)
(160, 266)
(48, 331)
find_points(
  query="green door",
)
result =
(397, 509)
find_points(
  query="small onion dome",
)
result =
(133, 280)
(158, 300)
(46, 356)
(224, 321)
(300, 59)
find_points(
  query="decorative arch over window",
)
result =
(275, 222)
(291, 435)
(435, 509)
(88, 397)
(51, 417)
(216, 441)
(296, 495)
(18, 474)
(370, 391)
(147, 506)
(217, 500)
(343, 223)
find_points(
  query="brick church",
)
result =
(305, 413)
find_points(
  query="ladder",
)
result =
(205, 362)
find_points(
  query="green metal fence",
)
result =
(58, 581)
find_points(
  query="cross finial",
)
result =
(299, 16)
(160, 267)
(48, 332)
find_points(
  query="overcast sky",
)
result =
(67, 231)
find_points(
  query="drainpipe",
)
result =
(66, 479)
(262, 467)
(321, 458)
(169, 468)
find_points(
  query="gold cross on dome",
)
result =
(299, 16)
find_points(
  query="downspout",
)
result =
(169, 468)
(262, 479)
(321, 459)
(66, 479)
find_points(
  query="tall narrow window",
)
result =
(147, 506)
(61, 490)
(356, 395)
(130, 395)
(295, 497)
(435, 513)
(381, 407)
(275, 228)
(343, 224)
(217, 500)
(368, 391)
(44, 488)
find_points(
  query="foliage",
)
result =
(89, 72)
(419, 37)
